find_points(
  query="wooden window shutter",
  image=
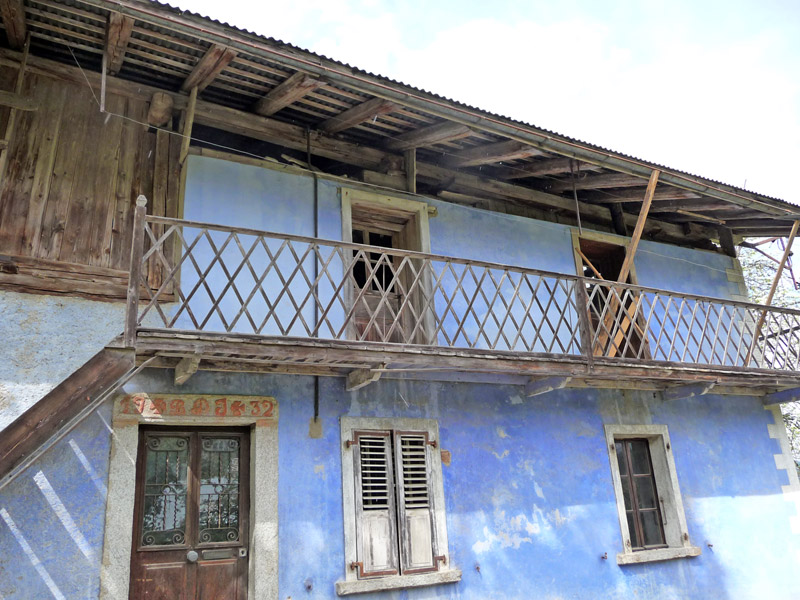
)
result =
(376, 531)
(415, 508)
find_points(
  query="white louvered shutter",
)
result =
(376, 531)
(414, 499)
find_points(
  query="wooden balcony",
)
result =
(240, 299)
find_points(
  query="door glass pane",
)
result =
(165, 488)
(219, 490)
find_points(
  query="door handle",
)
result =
(192, 556)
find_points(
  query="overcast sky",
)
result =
(706, 86)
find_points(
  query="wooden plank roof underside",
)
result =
(159, 46)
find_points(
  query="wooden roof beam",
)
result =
(366, 111)
(663, 192)
(493, 153)
(287, 92)
(673, 205)
(612, 180)
(757, 223)
(118, 33)
(542, 168)
(13, 15)
(295, 137)
(427, 136)
(208, 67)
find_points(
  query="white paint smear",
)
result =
(63, 515)
(97, 480)
(26, 548)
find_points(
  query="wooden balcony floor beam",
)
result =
(249, 353)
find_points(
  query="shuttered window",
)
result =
(396, 528)
(376, 528)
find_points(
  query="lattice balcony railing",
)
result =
(200, 277)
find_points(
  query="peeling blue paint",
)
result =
(528, 493)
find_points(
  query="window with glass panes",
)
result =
(645, 522)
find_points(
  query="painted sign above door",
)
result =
(191, 407)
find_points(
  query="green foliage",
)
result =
(759, 272)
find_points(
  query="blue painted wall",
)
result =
(52, 515)
(247, 196)
(228, 193)
(528, 494)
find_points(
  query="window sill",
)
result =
(633, 558)
(398, 582)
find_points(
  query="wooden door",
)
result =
(190, 536)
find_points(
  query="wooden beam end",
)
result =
(359, 378)
(682, 392)
(536, 387)
(187, 367)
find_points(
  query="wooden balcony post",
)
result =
(134, 274)
(584, 320)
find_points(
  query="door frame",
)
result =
(416, 234)
(193, 410)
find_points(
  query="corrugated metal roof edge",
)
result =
(533, 129)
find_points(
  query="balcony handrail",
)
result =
(401, 253)
(217, 278)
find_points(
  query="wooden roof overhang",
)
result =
(271, 91)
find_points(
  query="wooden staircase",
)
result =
(48, 417)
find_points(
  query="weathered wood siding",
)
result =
(71, 180)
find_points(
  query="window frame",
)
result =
(446, 573)
(676, 532)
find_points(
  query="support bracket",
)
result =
(359, 378)
(186, 368)
(680, 392)
(536, 387)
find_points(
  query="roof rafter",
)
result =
(493, 153)
(689, 204)
(287, 92)
(663, 192)
(612, 180)
(427, 136)
(360, 113)
(118, 34)
(542, 168)
(208, 67)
